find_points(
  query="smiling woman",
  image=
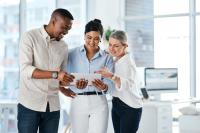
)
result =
(126, 102)
(90, 99)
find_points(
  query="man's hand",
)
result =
(65, 78)
(100, 85)
(81, 84)
(67, 92)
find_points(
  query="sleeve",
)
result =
(110, 66)
(65, 62)
(129, 78)
(26, 56)
(69, 62)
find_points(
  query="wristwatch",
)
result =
(54, 75)
(113, 77)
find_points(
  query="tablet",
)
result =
(87, 76)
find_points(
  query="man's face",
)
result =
(61, 27)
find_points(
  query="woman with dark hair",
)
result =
(89, 108)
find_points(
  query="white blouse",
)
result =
(128, 92)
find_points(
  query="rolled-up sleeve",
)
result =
(26, 56)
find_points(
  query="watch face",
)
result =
(54, 75)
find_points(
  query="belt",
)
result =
(91, 93)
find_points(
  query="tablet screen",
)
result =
(87, 76)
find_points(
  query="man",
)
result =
(43, 55)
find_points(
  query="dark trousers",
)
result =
(125, 118)
(29, 121)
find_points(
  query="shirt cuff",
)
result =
(30, 70)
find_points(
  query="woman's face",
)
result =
(92, 40)
(116, 48)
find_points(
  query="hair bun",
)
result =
(97, 20)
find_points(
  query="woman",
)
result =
(89, 108)
(127, 103)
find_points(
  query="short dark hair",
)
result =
(63, 12)
(94, 25)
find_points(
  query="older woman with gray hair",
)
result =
(127, 103)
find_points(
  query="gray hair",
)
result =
(120, 35)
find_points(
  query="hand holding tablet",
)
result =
(86, 76)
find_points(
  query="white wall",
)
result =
(109, 11)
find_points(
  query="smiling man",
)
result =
(42, 59)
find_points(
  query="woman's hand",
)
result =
(105, 73)
(100, 85)
(81, 84)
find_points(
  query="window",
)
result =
(159, 37)
(140, 31)
(35, 16)
(198, 5)
(77, 8)
(198, 56)
(38, 14)
(164, 7)
(141, 43)
(171, 44)
(9, 37)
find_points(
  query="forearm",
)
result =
(123, 83)
(42, 74)
(116, 80)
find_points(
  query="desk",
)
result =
(189, 123)
(8, 111)
(156, 117)
(190, 100)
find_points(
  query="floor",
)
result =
(175, 129)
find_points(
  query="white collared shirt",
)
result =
(37, 50)
(128, 92)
